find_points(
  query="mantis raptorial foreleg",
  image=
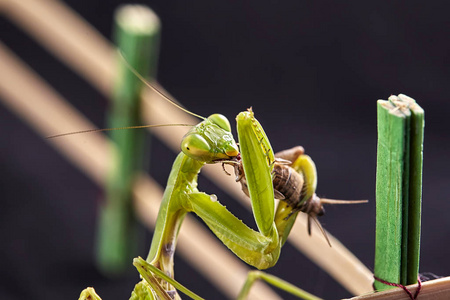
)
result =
(295, 183)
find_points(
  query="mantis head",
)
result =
(211, 141)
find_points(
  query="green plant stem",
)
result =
(398, 190)
(137, 35)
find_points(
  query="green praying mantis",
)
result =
(289, 175)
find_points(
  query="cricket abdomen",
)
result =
(289, 183)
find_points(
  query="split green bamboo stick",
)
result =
(415, 186)
(398, 189)
(389, 186)
(136, 34)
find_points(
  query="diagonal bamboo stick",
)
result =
(64, 33)
(97, 67)
(48, 112)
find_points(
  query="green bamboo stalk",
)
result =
(137, 35)
(398, 189)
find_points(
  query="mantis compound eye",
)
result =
(195, 146)
(221, 121)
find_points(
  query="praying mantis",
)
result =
(259, 170)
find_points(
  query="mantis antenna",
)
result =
(111, 129)
(153, 88)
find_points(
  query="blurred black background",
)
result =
(312, 72)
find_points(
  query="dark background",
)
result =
(312, 72)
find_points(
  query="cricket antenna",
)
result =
(335, 201)
(320, 227)
(155, 89)
(315, 208)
